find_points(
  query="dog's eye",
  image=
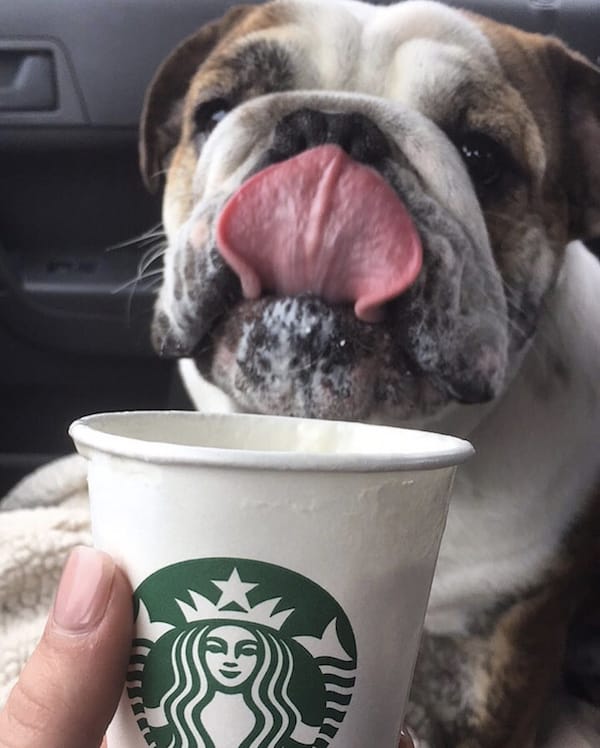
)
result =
(486, 160)
(208, 114)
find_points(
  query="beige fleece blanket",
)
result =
(41, 519)
(45, 515)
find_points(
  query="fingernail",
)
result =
(83, 591)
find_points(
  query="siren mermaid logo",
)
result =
(239, 654)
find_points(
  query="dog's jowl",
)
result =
(371, 214)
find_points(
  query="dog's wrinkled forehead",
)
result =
(345, 45)
(385, 51)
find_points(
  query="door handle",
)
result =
(27, 81)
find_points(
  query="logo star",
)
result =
(233, 590)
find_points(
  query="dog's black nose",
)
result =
(309, 128)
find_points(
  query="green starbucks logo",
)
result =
(239, 654)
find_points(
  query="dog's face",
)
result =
(366, 206)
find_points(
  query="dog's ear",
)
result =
(162, 112)
(582, 90)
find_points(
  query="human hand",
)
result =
(406, 740)
(69, 689)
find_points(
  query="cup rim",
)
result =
(89, 437)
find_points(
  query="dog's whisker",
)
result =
(156, 274)
(159, 173)
(155, 232)
(153, 280)
(152, 255)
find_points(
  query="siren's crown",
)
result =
(233, 605)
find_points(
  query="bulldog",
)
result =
(371, 214)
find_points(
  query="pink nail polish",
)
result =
(83, 591)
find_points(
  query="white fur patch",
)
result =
(206, 397)
(537, 455)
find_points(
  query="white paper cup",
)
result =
(281, 570)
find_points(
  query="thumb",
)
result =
(69, 689)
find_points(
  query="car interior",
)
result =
(80, 237)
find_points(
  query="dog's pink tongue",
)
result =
(324, 224)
